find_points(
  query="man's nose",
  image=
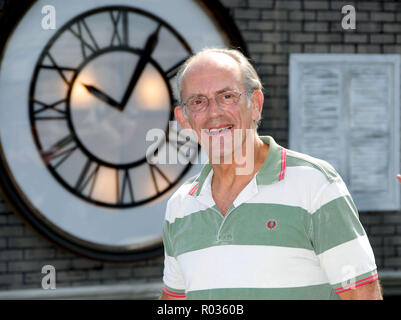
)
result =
(213, 108)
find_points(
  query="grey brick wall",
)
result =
(23, 253)
(272, 30)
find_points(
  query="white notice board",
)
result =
(345, 109)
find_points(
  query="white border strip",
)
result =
(390, 280)
(133, 291)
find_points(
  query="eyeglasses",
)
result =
(200, 103)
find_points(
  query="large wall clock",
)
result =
(76, 106)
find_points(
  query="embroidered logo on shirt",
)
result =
(271, 224)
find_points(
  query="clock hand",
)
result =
(102, 96)
(147, 52)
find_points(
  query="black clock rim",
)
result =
(8, 188)
(221, 15)
(225, 22)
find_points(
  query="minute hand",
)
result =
(147, 52)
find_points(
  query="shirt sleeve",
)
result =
(339, 239)
(173, 280)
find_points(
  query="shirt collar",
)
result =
(274, 167)
(272, 170)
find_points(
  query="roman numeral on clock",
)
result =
(62, 70)
(87, 176)
(57, 113)
(61, 150)
(126, 190)
(87, 41)
(153, 170)
(120, 33)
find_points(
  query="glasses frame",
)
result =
(185, 104)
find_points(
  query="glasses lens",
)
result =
(228, 98)
(197, 103)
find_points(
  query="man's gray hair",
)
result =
(250, 77)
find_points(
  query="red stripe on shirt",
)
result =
(283, 164)
(357, 283)
(193, 189)
(174, 294)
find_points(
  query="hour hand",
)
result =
(102, 96)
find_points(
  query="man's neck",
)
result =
(228, 174)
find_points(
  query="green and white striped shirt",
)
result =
(292, 233)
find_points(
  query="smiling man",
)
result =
(284, 228)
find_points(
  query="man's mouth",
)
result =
(218, 130)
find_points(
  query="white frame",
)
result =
(366, 201)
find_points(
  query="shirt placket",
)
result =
(227, 236)
(248, 192)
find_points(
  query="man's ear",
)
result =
(182, 120)
(257, 104)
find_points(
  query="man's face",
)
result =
(216, 126)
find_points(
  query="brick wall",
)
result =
(23, 253)
(272, 30)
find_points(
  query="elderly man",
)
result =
(286, 228)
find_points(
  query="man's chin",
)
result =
(221, 159)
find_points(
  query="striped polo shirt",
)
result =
(292, 233)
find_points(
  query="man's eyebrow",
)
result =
(224, 90)
(219, 91)
(196, 96)
(216, 92)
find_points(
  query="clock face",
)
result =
(109, 92)
(79, 106)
